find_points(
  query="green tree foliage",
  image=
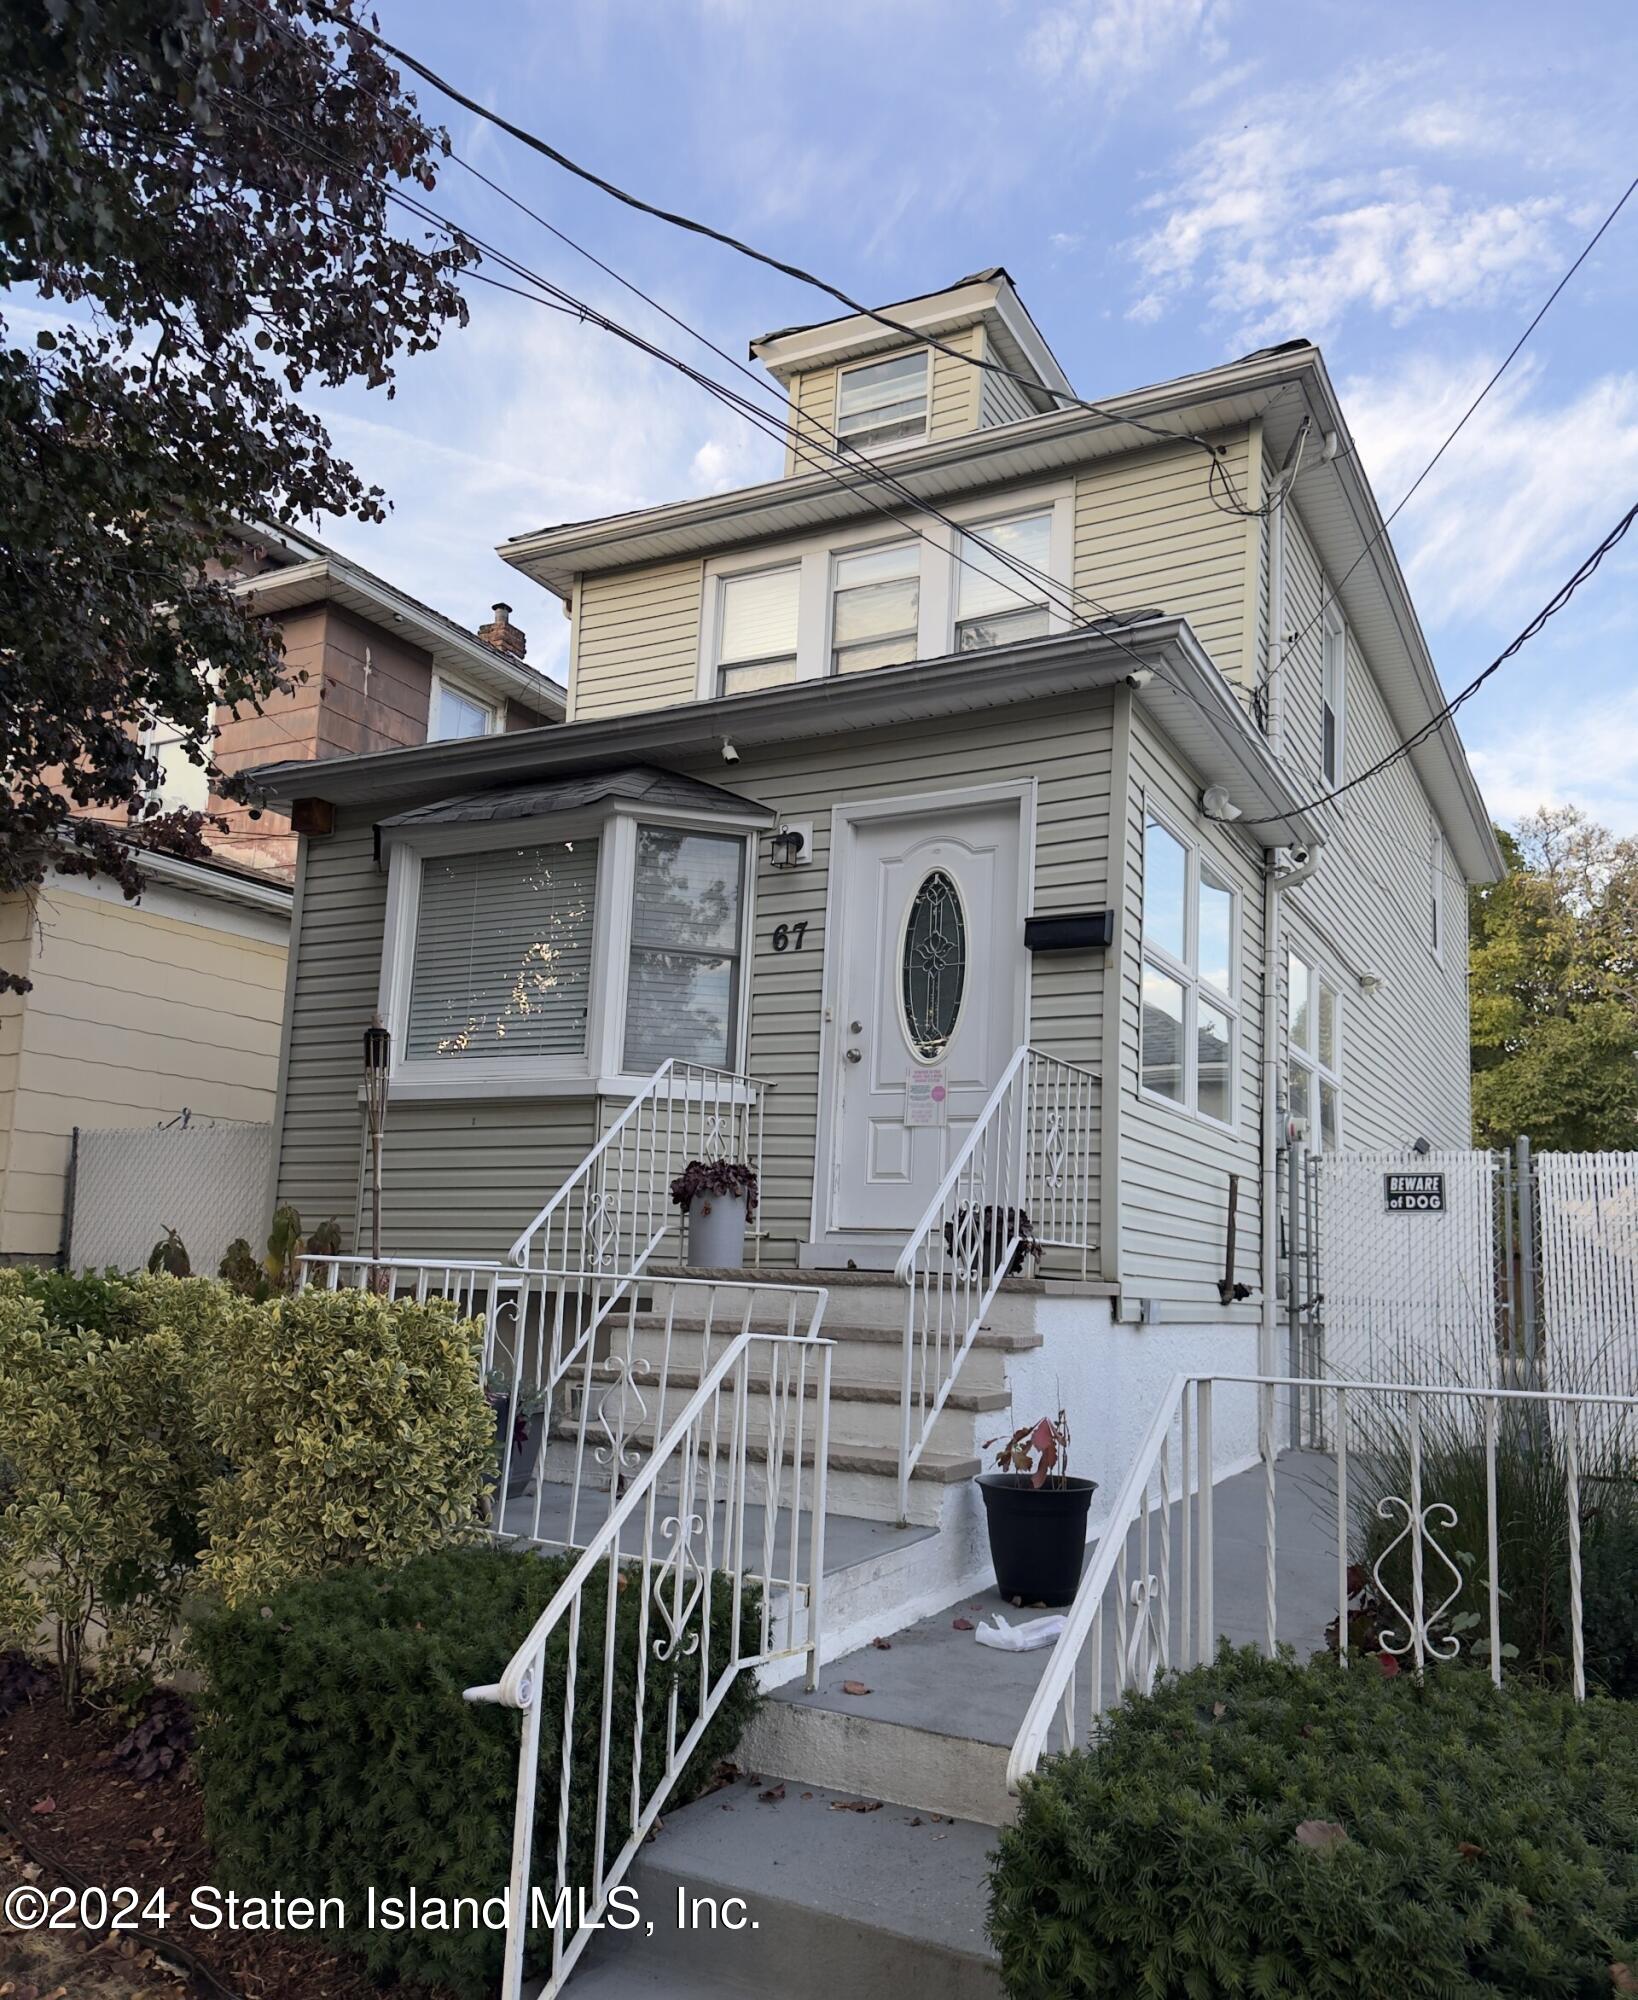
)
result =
(1260, 1828)
(1554, 949)
(198, 191)
(338, 1754)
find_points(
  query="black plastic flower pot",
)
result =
(1037, 1535)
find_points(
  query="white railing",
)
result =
(498, 1294)
(1023, 1174)
(1425, 1524)
(730, 1502)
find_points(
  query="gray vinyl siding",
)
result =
(1175, 1165)
(1405, 1049)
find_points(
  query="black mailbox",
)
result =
(1078, 930)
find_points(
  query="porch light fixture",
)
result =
(377, 1057)
(785, 846)
(1370, 982)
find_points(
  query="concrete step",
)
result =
(865, 1298)
(887, 1902)
(871, 1354)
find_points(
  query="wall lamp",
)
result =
(791, 844)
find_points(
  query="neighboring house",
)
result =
(141, 1011)
(544, 918)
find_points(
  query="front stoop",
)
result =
(889, 1903)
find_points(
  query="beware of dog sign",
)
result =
(1414, 1194)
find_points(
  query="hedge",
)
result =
(1259, 1828)
(160, 1436)
(337, 1753)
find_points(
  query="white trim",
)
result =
(1185, 973)
(814, 557)
(490, 706)
(1438, 902)
(598, 1071)
(844, 820)
(1333, 688)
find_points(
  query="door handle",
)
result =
(855, 1055)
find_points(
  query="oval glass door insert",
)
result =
(935, 966)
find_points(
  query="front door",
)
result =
(929, 1002)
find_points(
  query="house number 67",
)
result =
(788, 937)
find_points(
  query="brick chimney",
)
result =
(502, 633)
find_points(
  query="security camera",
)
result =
(1140, 677)
(1299, 857)
(729, 754)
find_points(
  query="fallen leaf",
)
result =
(1623, 1979)
(807, 1795)
(1468, 1851)
(916, 1821)
(961, 1624)
(1388, 1664)
(854, 1687)
(1219, 1709)
(856, 1805)
(47, 1804)
(882, 1645)
(1324, 1836)
(772, 1795)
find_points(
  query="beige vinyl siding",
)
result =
(1366, 908)
(1174, 1165)
(1066, 748)
(956, 386)
(135, 1014)
(1147, 533)
(637, 640)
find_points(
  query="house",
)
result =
(962, 788)
(141, 1012)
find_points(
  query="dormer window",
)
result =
(883, 402)
(876, 608)
(996, 605)
(756, 628)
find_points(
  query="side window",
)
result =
(1313, 1020)
(883, 402)
(1189, 1009)
(1333, 694)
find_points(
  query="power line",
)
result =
(1435, 723)
(678, 221)
(1329, 598)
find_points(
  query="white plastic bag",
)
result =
(1026, 1638)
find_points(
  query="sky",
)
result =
(1170, 183)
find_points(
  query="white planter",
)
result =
(716, 1232)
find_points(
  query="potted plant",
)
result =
(497, 1389)
(1036, 1514)
(528, 1428)
(719, 1198)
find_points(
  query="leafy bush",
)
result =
(157, 1432)
(1533, 1540)
(104, 1468)
(356, 1430)
(1255, 1827)
(337, 1753)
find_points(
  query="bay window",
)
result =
(995, 605)
(876, 608)
(577, 954)
(883, 402)
(756, 630)
(1188, 1030)
(1313, 1020)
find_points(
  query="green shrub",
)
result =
(337, 1753)
(1533, 1539)
(104, 1469)
(1256, 1827)
(108, 1304)
(356, 1430)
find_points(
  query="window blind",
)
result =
(502, 962)
(759, 616)
(683, 988)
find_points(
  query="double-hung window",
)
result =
(756, 629)
(1313, 1019)
(1333, 676)
(995, 602)
(1189, 1018)
(883, 402)
(682, 987)
(876, 608)
(456, 714)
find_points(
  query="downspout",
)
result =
(1284, 869)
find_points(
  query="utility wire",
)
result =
(678, 221)
(1330, 597)
(1435, 723)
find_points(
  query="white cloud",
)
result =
(1109, 44)
(1523, 494)
(1592, 764)
(1288, 218)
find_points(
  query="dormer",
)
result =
(858, 384)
